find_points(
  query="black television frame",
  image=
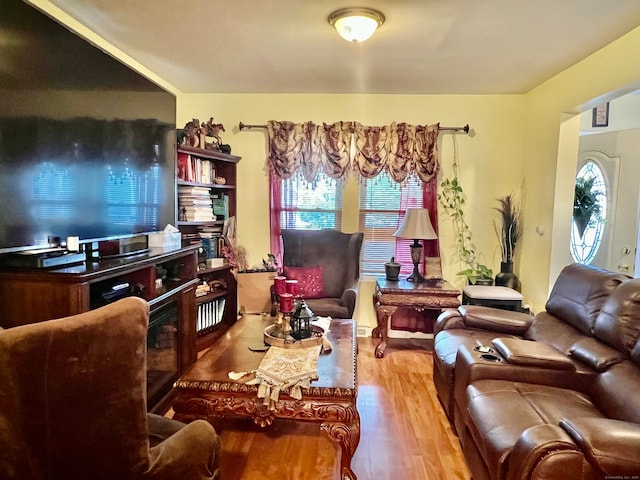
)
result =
(62, 80)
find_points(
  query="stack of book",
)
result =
(202, 289)
(194, 204)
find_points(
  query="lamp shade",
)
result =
(416, 224)
(356, 24)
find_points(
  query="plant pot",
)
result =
(581, 224)
(506, 277)
(392, 270)
(484, 281)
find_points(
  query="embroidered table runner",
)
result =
(286, 368)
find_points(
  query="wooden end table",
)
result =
(390, 295)
(206, 392)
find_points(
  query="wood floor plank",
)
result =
(405, 434)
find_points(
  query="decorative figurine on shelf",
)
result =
(192, 133)
(212, 130)
(271, 264)
(195, 134)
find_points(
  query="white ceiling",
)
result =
(424, 47)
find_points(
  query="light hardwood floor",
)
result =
(405, 434)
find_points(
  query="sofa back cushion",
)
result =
(618, 323)
(579, 293)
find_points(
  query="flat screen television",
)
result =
(87, 145)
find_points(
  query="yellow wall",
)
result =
(550, 170)
(493, 151)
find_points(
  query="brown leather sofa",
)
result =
(555, 395)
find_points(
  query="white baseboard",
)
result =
(363, 331)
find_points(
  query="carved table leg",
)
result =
(375, 333)
(383, 315)
(347, 435)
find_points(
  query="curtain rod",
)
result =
(465, 129)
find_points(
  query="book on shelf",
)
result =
(211, 246)
(195, 169)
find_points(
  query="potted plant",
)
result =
(451, 198)
(509, 232)
(586, 207)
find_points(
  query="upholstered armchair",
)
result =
(73, 404)
(326, 264)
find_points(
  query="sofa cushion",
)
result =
(445, 348)
(499, 411)
(618, 323)
(579, 293)
(328, 307)
(552, 330)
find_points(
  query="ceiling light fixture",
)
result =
(356, 24)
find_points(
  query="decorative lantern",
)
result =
(301, 321)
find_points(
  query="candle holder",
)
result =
(301, 321)
(286, 303)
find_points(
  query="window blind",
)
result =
(383, 203)
(313, 205)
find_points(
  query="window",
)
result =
(584, 247)
(382, 206)
(312, 206)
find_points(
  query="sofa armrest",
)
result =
(611, 446)
(532, 353)
(349, 297)
(546, 450)
(192, 452)
(495, 319)
(448, 319)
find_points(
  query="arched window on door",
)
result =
(585, 246)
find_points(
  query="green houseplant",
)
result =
(586, 207)
(452, 200)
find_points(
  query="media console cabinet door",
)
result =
(31, 299)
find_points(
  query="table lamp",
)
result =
(417, 225)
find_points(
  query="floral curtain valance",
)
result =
(398, 149)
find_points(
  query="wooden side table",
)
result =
(390, 295)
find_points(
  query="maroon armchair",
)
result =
(327, 263)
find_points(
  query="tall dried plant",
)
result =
(510, 229)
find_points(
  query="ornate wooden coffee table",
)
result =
(205, 390)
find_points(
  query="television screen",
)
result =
(87, 145)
